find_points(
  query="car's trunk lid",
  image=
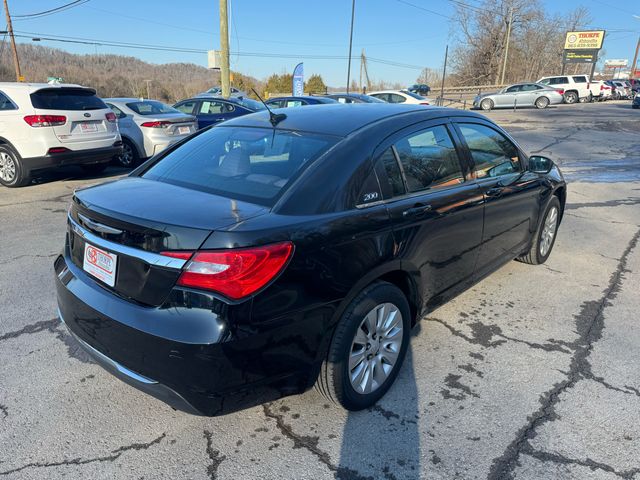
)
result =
(136, 219)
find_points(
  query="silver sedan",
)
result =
(519, 95)
(147, 127)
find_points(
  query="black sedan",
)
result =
(281, 250)
(300, 101)
(210, 110)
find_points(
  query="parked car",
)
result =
(217, 92)
(636, 101)
(44, 126)
(600, 90)
(210, 110)
(420, 88)
(354, 98)
(622, 91)
(299, 101)
(147, 127)
(615, 94)
(575, 87)
(401, 96)
(282, 250)
(635, 84)
(520, 95)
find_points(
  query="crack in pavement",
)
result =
(310, 443)
(593, 465)
(556, 141)
(608, 203)
(214, 456)
(4, 410)
(3, 262)
(589, 326)
(115, 454)
(453, 381)
(74, 350)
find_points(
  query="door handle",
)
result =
(416, 211)
(494, 192)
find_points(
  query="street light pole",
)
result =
(353, 11)
(634, 70)
(224, 47)
(506, 50)
(16, 61)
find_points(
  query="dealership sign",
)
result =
(298, 80)
(616, 63)
(591, 40)
(580, 56)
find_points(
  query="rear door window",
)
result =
(5, 103)
(493, 153)
(251, 164)
(186, 107)
(580, 79)
(66, 99)
(389, 174)
(429, 159)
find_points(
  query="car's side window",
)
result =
(429, 159)
(119, 113)
(395, 98)
(515, 88)
(209, 107)
(546, 81)
(5, 103)
(493, 153)
(389, 174)
(294, 103)
(186, 107)
(369, 191)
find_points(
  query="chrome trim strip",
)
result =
(99, 226)
(101, 356)
(149, 257)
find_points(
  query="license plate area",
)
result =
(100, 264)
(88, 127)
(184, 130)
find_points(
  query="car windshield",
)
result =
(66, 99)
(250, 164)
(250, 104)
(414, 95)
(151, 107)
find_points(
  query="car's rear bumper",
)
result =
(156, 349)
(73, 157)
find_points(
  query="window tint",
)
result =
(429, 159)
(150, 107)
(580, 79)
(370, 190)
(211, 107)
(530, 87)
(492, 152)
(389, 174)
(186, 107)
(66, 99)
(119, 113)
(252, 164)
(5, 103)
(515, 88)
(395, 98)
(294, 103)
(545, 81)
(559, 80)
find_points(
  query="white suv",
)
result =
(49, 125)
(574, 87)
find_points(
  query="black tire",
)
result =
(486, 104)
(535, 256)
(14, 173)
(542, 102)
(129, 157)
(94, 168)
(334, 380)
(570, 97)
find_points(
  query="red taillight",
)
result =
(560, 91)
(111, 117)
(45, 120)
(57, 150)
(235, 273)
(156, 124)
(601, 87)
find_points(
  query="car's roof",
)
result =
(341, 119)
(130, 99)
(301, 97)
(33, 87)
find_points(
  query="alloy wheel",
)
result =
(126, 157)
(548, 231)
(375, 348)
(7, 167)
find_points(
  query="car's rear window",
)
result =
(250, 164)
(414, 95)
(66, 99)
(151, 107)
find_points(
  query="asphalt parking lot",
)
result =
(532, 374)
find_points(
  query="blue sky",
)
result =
(388, 30)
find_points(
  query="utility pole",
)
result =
(148, 89)
(224, 47)
(506, 50)
(634, 70)
(353, 11)
(16, 61)
(444, 74)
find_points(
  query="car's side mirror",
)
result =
(538, 164)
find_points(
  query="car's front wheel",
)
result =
(368, 347)
(486, 104)
(129, 157)
(570, 97)
(545, 236)
(12, 171)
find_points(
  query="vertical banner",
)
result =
(298, 80)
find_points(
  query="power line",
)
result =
(51, 11)
(424, 9)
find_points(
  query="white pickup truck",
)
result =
(575, 87)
